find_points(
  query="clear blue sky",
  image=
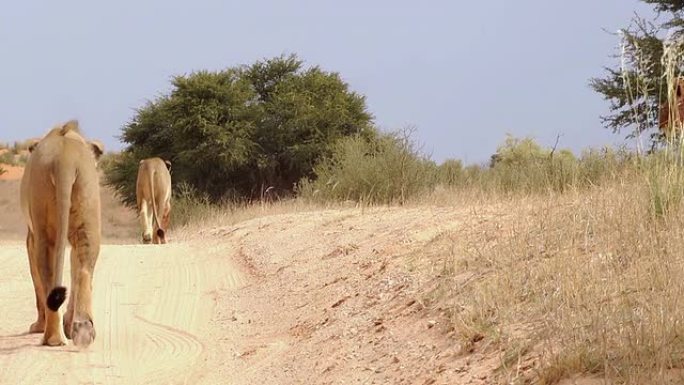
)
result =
(464, 73)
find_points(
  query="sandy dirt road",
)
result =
(320, 297)
(153, 306)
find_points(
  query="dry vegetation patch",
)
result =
(585, 282)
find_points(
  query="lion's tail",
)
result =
(64, 182)
(155, 216)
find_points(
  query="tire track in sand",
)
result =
(151, 305)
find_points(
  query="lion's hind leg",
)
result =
(83, 266)
(71, 306)
(39, 325)
(82, 327)
(45, 258)
(146, 221)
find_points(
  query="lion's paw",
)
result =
(37, 327)
(83, 333)
(55, 340)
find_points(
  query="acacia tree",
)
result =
(236, 132)
(636, 86)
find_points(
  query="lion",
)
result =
(153, 193)
(60, 201)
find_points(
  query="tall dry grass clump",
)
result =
(665, 170)
(585, 282)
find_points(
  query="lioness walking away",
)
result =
(153, 193)
(60, 200)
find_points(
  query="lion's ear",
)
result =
(32, 145)
(168, 164)
(97, 147)
(71, 125)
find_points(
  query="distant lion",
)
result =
(153, 193)
(60, 201)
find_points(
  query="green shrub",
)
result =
(121, 172)
(107, 161)
(451, 173)
(8, 158)
(190, 206)
(389, 169)
(16, 154)
(523, 166)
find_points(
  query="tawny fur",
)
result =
(60, 201)
(153, 195)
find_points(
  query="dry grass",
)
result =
(586, 282)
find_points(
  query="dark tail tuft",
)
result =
(56, 298)
(161, 234)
